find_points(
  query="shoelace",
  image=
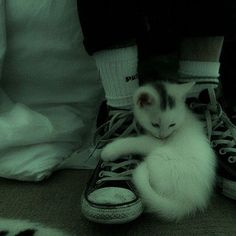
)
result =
(216, 118)
(112, 129)
(112, 174)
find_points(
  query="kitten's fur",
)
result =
(12, 227)
(177, 175)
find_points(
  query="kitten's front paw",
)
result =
(108, 153)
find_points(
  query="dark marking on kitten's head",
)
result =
(166, 100)
(171, 102)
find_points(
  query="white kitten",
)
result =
(177, 175)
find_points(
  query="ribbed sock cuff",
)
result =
(199, 68)
(205, 74)
(118, 72)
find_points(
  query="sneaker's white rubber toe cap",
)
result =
(111, 196)
(111, 205)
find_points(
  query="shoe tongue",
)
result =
(204, 96)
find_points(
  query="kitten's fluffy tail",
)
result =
(166, 208)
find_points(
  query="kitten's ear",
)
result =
(144, 97)
(186, 87)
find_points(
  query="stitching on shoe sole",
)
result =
(115, 215)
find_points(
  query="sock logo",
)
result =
(132, 77)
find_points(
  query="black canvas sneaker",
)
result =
(222, 135)
(110, 196)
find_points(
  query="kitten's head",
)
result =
(160, 107)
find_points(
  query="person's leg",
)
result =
(110, 30)
(109, 196)
(118, 72)
(201, 48)
(199, 61)
(228, 74)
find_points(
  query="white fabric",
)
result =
(118, 71)
(18, 226)
(50, 89)
(111, 195)
(199, 68)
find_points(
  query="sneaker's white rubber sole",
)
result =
(119, 215)
(228, 187)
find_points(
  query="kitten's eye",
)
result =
(155, 125)
(172, 125)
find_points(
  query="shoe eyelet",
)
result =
(222, 151)
(213, 144)
(102, 165)
(191, 105)
(231, 159)
(101, 174)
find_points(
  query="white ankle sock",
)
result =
(204, 73)
(118, 72)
